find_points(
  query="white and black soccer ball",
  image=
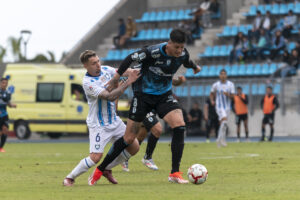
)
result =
(197, 174)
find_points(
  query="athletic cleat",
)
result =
(108, 175)
(176, 177)
(68, 182)
(2, 150)
(125, 166)
(149, 163)
(94, 177)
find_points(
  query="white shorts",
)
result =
(99, 137)
(222, 113)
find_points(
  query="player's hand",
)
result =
(182, 79)
(226, 94)
(198, 69)
(113, 83)
(213, 103)
(134, 75)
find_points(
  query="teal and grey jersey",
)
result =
(157, 68)
(4, 100)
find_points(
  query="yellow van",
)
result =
(49, 99)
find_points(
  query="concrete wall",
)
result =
(232, 6)
(105, 27)
(166, 3)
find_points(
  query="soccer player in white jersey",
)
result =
(221, 94)
(103, 123)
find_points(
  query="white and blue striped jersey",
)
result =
(222, 101)
(101, 112)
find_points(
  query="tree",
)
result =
(2, 53)
(15, 45)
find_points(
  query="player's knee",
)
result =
(129, 139)
(96, 157)
(156, 131)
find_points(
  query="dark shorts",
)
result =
(150, 120)
(3, 121)
(268, 119)
(240, 118)
(142, 104)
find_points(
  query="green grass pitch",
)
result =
(258, 171)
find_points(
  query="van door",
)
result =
(77, 110)
(50, 108)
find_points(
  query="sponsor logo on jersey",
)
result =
(159, 62)
(155, 55)
(97, 146)
(158, 71)
(168, 62)
(142, 56)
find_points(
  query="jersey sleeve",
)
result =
(92, 89)
(111, 70)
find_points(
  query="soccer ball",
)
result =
(197, 174)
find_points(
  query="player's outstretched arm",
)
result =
(116, 93)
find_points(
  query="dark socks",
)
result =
(3, 140)
(114, 152)
(247, 134)
(271, 135)
(263, 130)
(152, 141)
(177, 146)
(238, 135)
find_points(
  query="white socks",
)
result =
(83, 166)
(123, 156)
(222, 132)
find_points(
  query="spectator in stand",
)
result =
(184, 25)
(214, 7)
(290, 64)
(288, 24)
(298, 47)
(268, 23)
(206, 16)
(262, 45)
(195, 118)
(122, 30)
(130, 31)
(211, 119)
(237, 44)
(257, 25)
(278, 44)
(242, 54)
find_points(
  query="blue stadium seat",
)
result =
(243, 29)
(273, 67)
(167, 15)
(297, 9)
(234, 70)
(212, 71)
(265, 69)
(149, 34)
(180, 15)
(215, 51)
(117, 55)
(219, 68)
(276, 88)
(156, 34)
(145, 17)
(229, 48)
(291, 46)
(261, 8)
(124, 54)
(246, 89)
(185, 91)
(228, 69)
(257, 69)
(178, 91)
(283, 9)
(189, 73)
(207, 90)
(110, 55)
(159, 16)
(187, 14)
(200, 91)
(173, 15)
(203, 72)
(234, 30)
(169, 32)
(261, 89)
(193, 91)
(152, 16)
(163, 33)
(242, 70)
(223, 50)
(252, 11)
(275, 9)
(208, 51)
(291, 6)
(227, 31)
(268, 7)
(250, 70)
(254, 89)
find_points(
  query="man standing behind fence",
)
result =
(269, 104)
(239, 107)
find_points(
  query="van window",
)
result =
(77, 93)
(50, 92)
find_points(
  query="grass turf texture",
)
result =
(240, 171)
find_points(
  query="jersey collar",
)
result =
(162, 49)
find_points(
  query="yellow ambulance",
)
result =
(50, 99)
